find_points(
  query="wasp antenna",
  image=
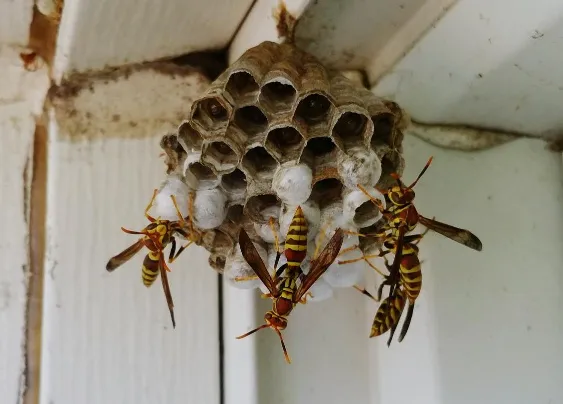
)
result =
(421, 173)
(285, 354)
(131, 231)
(253, 331)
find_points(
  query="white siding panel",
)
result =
(108, 339)
(17, 127)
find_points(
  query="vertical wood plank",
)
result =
(16, 138)
(487, 327)
(107, 339)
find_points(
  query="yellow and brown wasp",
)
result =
(404, 283)
(284, 290)
(156, 237)
(402, 213)
(402, 218)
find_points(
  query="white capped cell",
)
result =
(210, 208)
(293, 184)
(362, 167)
(162, 204)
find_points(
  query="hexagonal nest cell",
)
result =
(327, 192)
(241, 87)
(189, 137)
(220, 157)
(318, 151)
(258, 163)
(275, 108)
(284, 143)
(252, 121)
(211, 113)
(234, 185)
(350, 130)
(278, 95)
(314, 111)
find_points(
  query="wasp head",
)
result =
(275, 321)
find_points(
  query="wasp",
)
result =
(402, 218)
(157, 235)
(388, 314)
(284, 290)
(403, 214)
(404, 283)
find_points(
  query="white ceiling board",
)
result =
(353, 34)
(98, 33)
(488, 64)
(15, 19)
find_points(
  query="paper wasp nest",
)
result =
(277, 130)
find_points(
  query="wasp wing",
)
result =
(253, 259)
(321, 264)
(124, 256)
(462, 236)
(166, 287)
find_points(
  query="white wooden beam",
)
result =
(22, 94)
(261, 24)
(107, 338)
(15, 19)
(356, 34)
(17, 127)
(478, 67)
(96, 34)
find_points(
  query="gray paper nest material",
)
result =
(277, 105)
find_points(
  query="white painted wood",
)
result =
(355, 34)
(487, 326)
(489, 64)
(240, 356)
(106, 338)
(17, 127)
(21, 92)
(482, 315)
(351, 34)
(19, 85)
(95, 34)
(260, 24)
(15, 18)
(328, 347)
(406, 36)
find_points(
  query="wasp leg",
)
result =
(363, 291)
(149, 206)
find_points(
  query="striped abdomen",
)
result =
(150, 268)
(296, 240)
(388, 313)
(411, 274)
